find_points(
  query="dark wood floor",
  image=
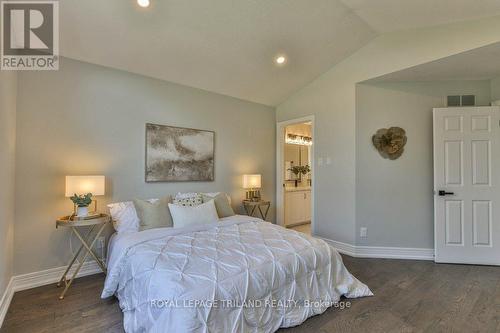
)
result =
(410, 296)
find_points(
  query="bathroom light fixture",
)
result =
(299, 140)
(280, 60)
(143, 3)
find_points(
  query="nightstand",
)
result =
(250, 207)
(88, 241)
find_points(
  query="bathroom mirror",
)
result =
(295, 155)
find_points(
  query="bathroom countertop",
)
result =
(299, 188)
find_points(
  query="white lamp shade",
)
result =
(252, 181)
(84, 184)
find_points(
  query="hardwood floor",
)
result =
(410, 296)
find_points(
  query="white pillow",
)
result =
(124, 216)
(184, 216)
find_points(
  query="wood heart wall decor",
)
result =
(390, 142)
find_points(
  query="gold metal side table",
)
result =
(250, 207)
(88, 241)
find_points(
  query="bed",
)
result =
(238, 275)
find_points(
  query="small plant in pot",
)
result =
(82, 203)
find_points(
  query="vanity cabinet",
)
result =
(297, 206)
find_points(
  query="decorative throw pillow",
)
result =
(222, 204)
(188, 199)
(213, 194)
(124, 216)
(184, 216)
(153, 215)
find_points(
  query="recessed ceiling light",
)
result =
(143, 3)
(280, 60)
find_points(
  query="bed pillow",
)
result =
(188, 199)
(214, 194)
(222, 204)
(153, 214)
(124, 216)
(184, 216)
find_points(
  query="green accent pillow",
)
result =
(153, 215)
(222, 204)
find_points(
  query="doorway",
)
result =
(295, 174)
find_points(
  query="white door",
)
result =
(467, 185)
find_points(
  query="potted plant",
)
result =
(299, 169)
(82, 203)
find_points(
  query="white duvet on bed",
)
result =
(238, 275)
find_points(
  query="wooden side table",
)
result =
(250, 207)
(88, 241)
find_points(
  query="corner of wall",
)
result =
(495, 89)
(8, 109)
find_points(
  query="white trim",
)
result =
(41, 278)
(280, 140)
(344, 248)
(5, 301)
(394, 253)
(382, 252)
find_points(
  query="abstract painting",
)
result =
(179, 154)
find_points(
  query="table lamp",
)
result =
(252, 183)
(81, 189)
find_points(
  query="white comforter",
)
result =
(239, 275)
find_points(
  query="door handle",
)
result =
(442, 193)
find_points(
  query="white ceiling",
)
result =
(224, 46)
(228, 46)
(391, 15)
(479, 64)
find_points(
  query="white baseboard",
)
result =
(382, 252)
(41, 278)
(5, 301)
(344, 248)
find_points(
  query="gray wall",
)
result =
(394, 199)
(86, 119)
(8, 91)
(331, 99)
(495, 89)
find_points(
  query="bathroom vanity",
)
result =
(297, 205)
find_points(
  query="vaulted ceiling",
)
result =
(391, 15)
(479, 64)
(229, 46)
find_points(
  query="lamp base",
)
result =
(253, 195)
